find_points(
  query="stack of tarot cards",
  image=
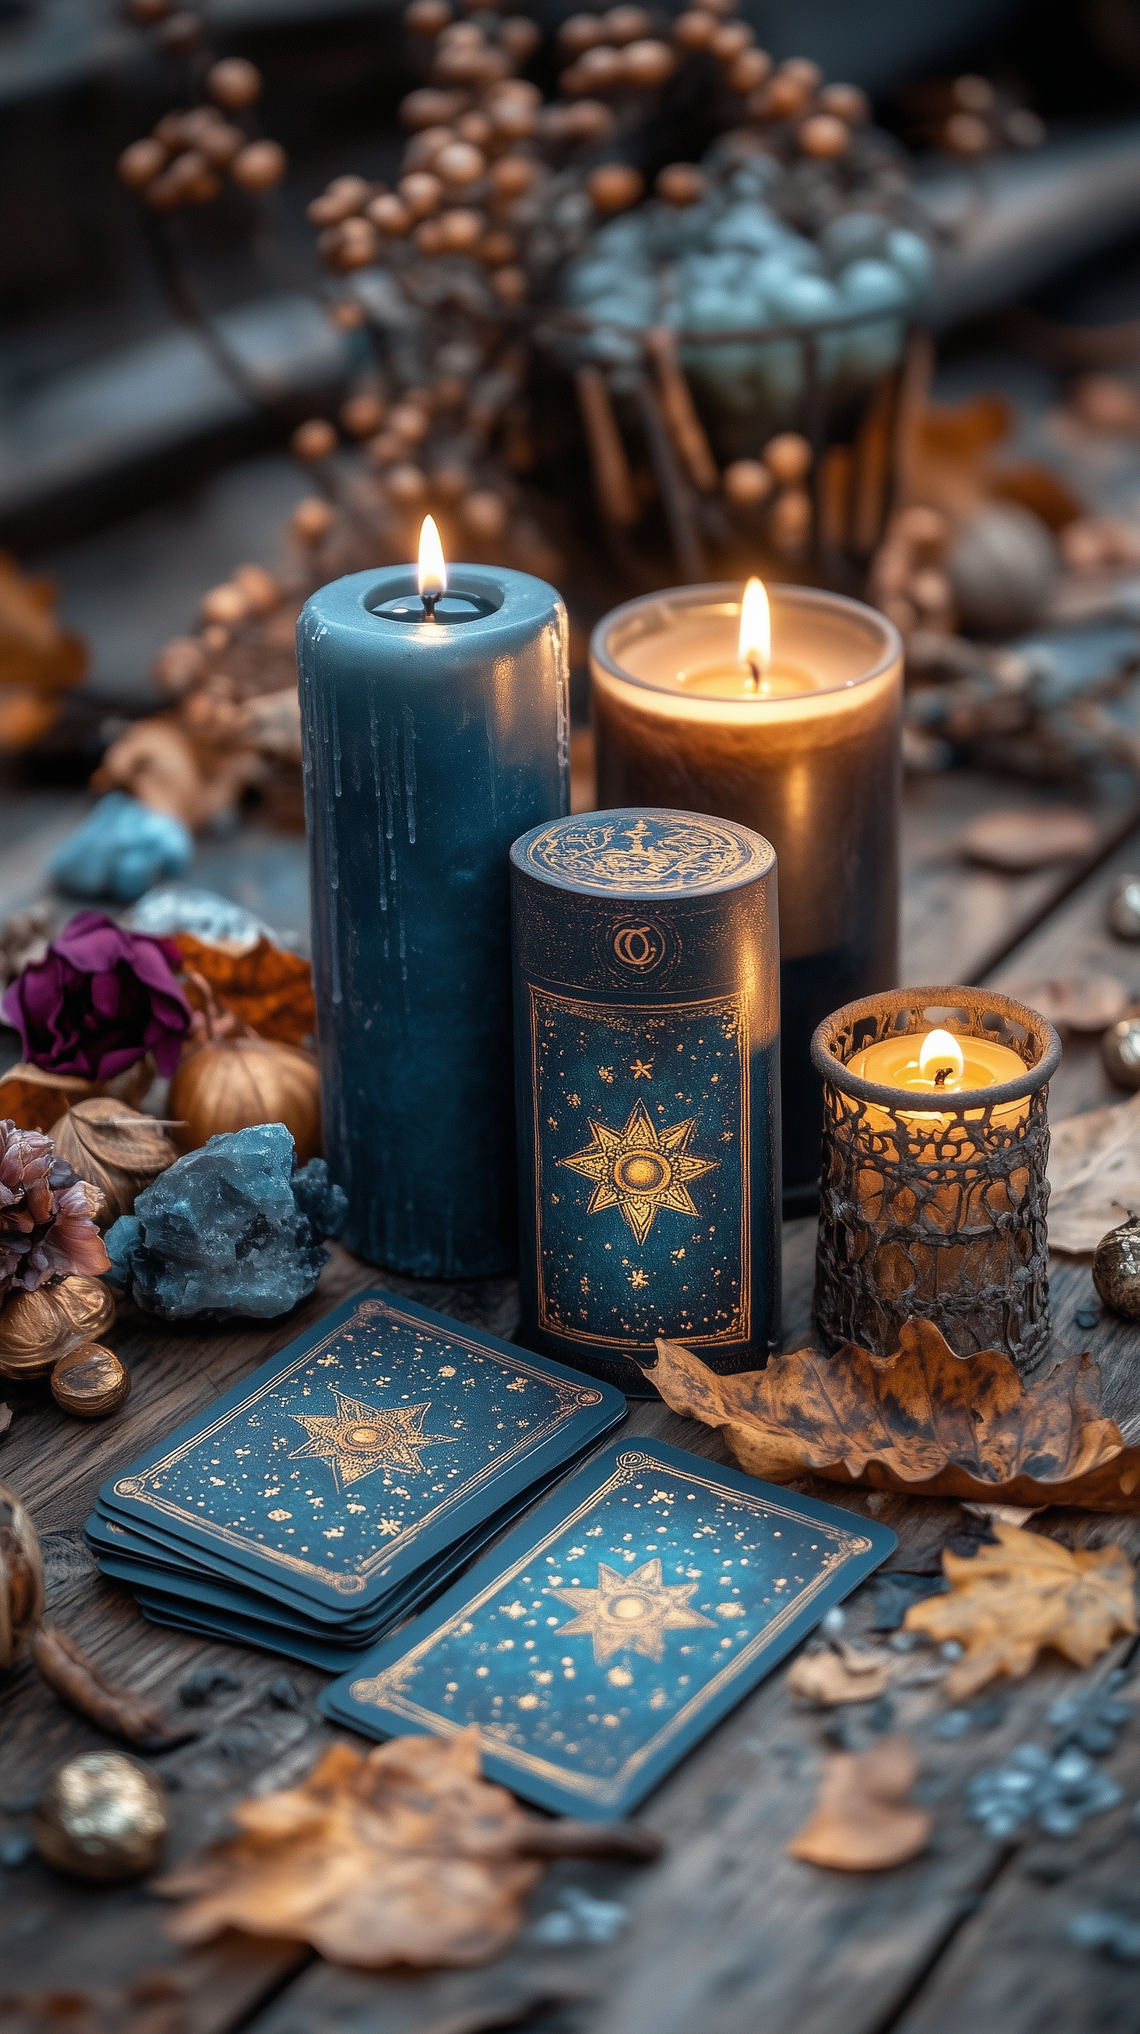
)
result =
(345, 1482)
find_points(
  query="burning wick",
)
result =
(433, 570)
(755, 647)
(941, 1046)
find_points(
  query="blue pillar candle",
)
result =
(429, 745)
(647, 1016)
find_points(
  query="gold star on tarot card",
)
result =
(631, 1612)
(361, 1438)
(640, 1169)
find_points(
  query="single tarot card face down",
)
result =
(642, 1178)
(363, 1450)
(617, 1626)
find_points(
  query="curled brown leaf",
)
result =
(841, 1674)
(923, 1421)
(267, 988)
(1010, 1600)
(403, 1855)
(77, 1681)
(862, 1820)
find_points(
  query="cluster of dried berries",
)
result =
(46, 1226)
(970, 117)
(184, 161)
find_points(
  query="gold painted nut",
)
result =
(91, 1382)
(102, 1816)
(38, 1328)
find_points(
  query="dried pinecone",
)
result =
(46, 1226)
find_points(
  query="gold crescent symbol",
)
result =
(639, 946)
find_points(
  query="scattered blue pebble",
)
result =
(955, 1723)
(197, 1689)
(1086, 1317)
(282, 1693)
(15, 1851)
(121, 849)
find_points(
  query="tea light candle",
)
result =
(781, 712)
(435, 730)
(936, 1212)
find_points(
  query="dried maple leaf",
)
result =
(862, 1820)
(923, 1421)
(405, 1855)
(841, 1674)
(1026, 1592)
(269, 989)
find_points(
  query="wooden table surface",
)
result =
(727, 1935)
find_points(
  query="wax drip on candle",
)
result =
(940, 1056)
(432, 567)
(755, 647)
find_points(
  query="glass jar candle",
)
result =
(795, 733)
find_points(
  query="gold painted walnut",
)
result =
(923, 1421)
(38, 1329)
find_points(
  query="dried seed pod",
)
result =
(513, 175)
(262, 591)
(785, 96)
(788, 456)
(340, 199)
(312, 519)
(514, 120)
(580, 32)
(90, 1383)
(450, 484)
(647, 64)
(731, 41)
(589, 121)
(615, 186)
(824, 137)
(37, 1328)
(427, 17)
(460, 230)
(496, 248)
(386, 448)
(171, 130)
(789, 521)
(808, 74)
(226, 604)
(359, 246)
(313, 440)
(410, 422)
(220, 143)
(427, 237)
(420, 194)
(259, 166)
(406, 485)
(421, 151)
(847, 102)
(117, 1149)
(750, 70)
(363, 414)
(141, 163)
(1116, 1269)
(475, 129)
(694, 29)
(102, 1816)
(233, 83)
(391, 216)
(598, 70)
(967, 134)
(624, 25)
(510, 285)
(232, 1083)
(680, 184)
(746, 482)
(519, 37)
(180, 34)
(459, 163)
(21, 1577)
(431, 108)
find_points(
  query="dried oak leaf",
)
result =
(1026, 1592)
(403, 1855)
(862, 1820)
(269, 989)
(923, 1421)
(841, 1674)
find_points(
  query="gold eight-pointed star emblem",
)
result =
(640, 1169)
(360, 1438)
(631, 1612)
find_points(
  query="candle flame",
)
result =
(755, 646)
(433, 570)
(941, 1054)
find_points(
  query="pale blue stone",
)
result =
(228, 1230)
(121, 848)
(853, 236)
(750, 227)
(873, 286)
(909, 253)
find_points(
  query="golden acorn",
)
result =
(37, 1328)
(116, 1149)
(90, 1382)
(21, 1577)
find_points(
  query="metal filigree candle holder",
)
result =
(940, 1215)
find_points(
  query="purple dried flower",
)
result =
(100, 998)
(46, 1226)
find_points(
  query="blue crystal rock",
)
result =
(231, 1229)
(121, 848)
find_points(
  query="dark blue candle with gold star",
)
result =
(647, 1089)
(434, 722)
